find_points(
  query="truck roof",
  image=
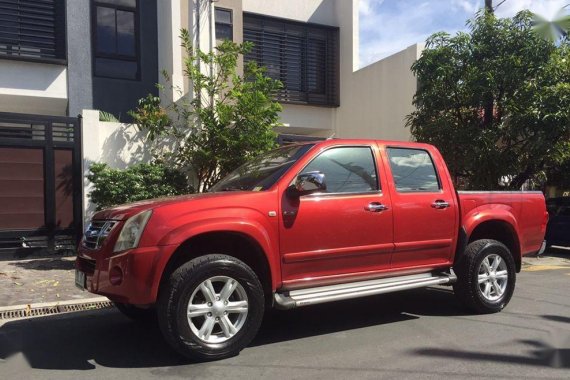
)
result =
(335, 141)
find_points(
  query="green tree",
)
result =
(553, 30)
(227, 119)
(495, 101)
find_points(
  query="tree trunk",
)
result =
(489, 6)
(489, 107)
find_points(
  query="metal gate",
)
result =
(40, 183)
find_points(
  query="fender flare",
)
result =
(246, 227)
(489, 213)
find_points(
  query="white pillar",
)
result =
(171, 19)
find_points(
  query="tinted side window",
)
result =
(347, 170)
(413, 170)
(115, 39)
(224, 25)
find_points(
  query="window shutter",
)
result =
(302, 56)
(32, 29)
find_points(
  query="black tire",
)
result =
(136, 313)
(474, 296)
(184, 285)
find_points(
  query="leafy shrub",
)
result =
(108, 117)
(142, 181)
(151, 116)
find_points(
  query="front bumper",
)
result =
(129, 277)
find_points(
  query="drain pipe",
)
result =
(198, 62)
(211, 32)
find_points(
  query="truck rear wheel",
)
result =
(486, 276)
(211, 308)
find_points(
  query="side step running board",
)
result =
(322, 294)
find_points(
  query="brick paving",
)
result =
(38, 280)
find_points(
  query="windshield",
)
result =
(263, 171)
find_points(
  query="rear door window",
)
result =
(413, 170)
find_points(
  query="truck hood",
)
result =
(125, 211)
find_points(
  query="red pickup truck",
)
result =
(302, 225)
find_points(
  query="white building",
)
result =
(312, 46)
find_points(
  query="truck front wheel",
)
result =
(486, 275)
(211, 308)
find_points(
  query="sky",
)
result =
(388, 26)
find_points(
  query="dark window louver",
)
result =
(305, 57)
(32, 29)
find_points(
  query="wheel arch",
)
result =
(232, 243)
(500, 229)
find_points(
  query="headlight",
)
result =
(132, 231)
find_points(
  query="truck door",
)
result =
(342, 232)
(424, 208)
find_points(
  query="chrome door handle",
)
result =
(376, 207)
(439, 204)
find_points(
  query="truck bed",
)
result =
(526, 207)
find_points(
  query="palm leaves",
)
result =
(556, 29)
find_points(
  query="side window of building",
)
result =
(303, 56)
(413, 170)
(116, 37)
(224, 25)
(346, 170)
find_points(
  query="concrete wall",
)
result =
(317, 11)
(80, 83)
(172, 16)
(29, 87)
(115, 144)
(376, 99)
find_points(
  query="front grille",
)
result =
(96, 233)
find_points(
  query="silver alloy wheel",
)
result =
(217, 309)
(493, 277)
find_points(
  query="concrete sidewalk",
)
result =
(48, 280)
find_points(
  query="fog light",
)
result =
(116, 276)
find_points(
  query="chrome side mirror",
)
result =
(311, 182)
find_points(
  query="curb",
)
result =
(19, 312)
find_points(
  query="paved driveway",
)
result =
(415, 334)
